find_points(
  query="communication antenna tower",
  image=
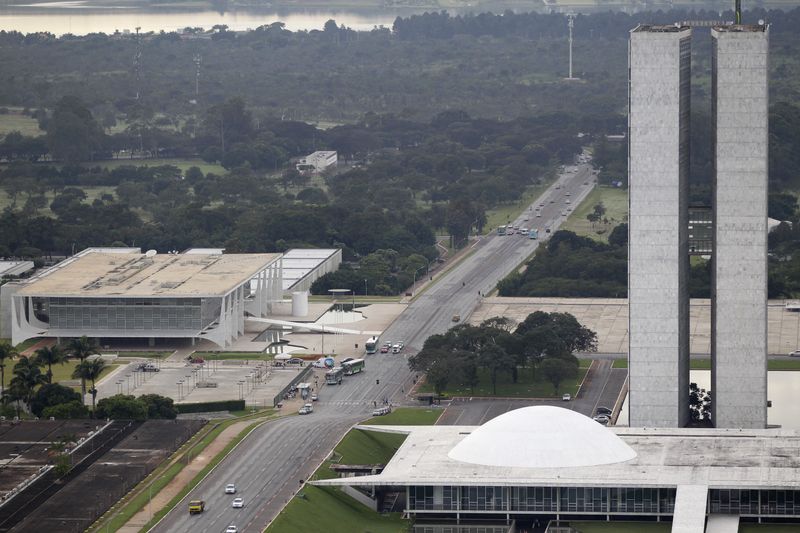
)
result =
(571, 24)
(137, 62)
(197, 60)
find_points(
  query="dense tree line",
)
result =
(543, 342)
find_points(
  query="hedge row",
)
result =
(209, 407)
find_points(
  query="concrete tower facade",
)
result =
(739, 275)
(658, 163)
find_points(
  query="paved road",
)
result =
(269, 464)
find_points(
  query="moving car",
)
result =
(230, 488)
(346, 359)
(314, 397)
(237, 503)
(603, 411)
(385, 348)
(307, 409)
(566, 397)
(602, 419)
(231, 529)
(396, 348)
(456, 318)
(795, 353)
(197, 506)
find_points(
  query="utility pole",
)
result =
(197, 60)
(571, 24)
(137, 60)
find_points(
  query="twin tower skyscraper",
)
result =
(659, 236)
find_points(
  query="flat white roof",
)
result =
(164, 275)
(716, 458)
(300, 262)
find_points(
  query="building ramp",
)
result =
(722, 523)
(690, 509)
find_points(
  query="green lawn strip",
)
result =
(621, 527)
(616, 204)
(619, 363)
(140, 354)
(503, 214)
(783, 364)
(182, 164)
(338, 512)
(407, 416)
(225, 356)
(524, 388)
(330, 506)
(769, 528)
(200, 475)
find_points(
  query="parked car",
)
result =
(307, 409)
(230, 488)
(237, 503)
(456, 318)
(380, 411)
(566, 397)
(148, 367)
(385, 349)
(295, 361)
(314, 397)
(396, 348)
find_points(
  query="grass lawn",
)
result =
(16, 121)
(407, 416)
(503, 214)
(616, 204)
(182, 164)
(769, 528)
(621, 527)
(524, 388)
(60, 372)
(330, 506)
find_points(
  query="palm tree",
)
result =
(82, 348)
(90, 370)
(27, 376)
(6, 352)
(49, 356)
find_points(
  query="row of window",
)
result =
(543, 499)
(159, 302)
(596, 500)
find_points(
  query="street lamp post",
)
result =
(365, 287)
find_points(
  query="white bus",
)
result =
(371, 345)
(353, 367)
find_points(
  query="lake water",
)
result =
(80, 17)
(783, 389)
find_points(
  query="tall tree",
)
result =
(90, 370)
(6, 352)
(49, 356)
(27, 376)
(82, 348)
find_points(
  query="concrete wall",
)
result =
(739, 275)
(659, 64)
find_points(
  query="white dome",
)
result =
(542, 437)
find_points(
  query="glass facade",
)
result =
(129, 313)
(755, 502)
(602, 500)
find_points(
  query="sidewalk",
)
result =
(163, 497)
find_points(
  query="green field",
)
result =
(616, 204)
(16, 121)
(60, 372)
(182, 164)
(526, 387)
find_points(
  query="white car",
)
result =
(237, 503)
(231, 529)
(795, 353)
(230, 488)
(566, 397)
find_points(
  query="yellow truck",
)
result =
(197, 506)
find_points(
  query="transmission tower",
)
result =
(137, 63)
(571, 24)
(198, 59)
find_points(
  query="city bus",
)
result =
(371, 345)
(501, 230)
(353, 367)
(334, 376)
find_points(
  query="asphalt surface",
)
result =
(268, 465)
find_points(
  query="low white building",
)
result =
(318, 161)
